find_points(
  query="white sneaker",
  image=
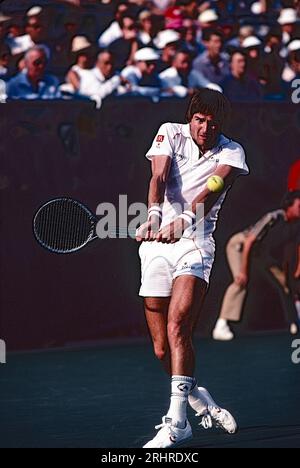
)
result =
(219, 418)
(169, 435)
(294, 329)
(222, 333)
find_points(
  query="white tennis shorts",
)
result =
(162, 263)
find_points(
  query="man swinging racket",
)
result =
(177, 252)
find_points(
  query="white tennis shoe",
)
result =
(219, 418)
(169, 435)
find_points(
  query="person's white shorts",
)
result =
(163, 263)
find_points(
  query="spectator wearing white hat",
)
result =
(168, 42)
(180, 80)
(142, 76)
(292, 68)
(84, 56)
(212, 64)
(288, 20)
(253, 47)
(36, 33)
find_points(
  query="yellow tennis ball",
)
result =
(215, 183)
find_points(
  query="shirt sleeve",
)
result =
(163, 143)
(234, 155)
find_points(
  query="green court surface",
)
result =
(112, 396)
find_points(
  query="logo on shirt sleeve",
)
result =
(160, 138)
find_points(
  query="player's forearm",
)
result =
(156, 191)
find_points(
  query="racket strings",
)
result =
(63, 225)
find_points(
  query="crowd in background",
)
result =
(93, 49)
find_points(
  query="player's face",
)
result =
(205, 130)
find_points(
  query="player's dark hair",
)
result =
(289, 198)
(209, 102)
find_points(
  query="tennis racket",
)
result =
(64, 226)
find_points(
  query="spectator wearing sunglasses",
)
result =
(36, 33)
(34, 82)
(142, 76)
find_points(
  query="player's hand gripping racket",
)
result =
(65, 226)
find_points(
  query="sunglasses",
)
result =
(39, 62)
(35, 26)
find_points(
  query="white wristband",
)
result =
(155, 211)
(189, 217)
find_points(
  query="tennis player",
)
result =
(177, 252)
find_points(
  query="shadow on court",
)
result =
(113, 396)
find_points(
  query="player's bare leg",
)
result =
(156, 312)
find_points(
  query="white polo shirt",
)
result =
(189, 172)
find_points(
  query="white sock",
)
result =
(200, 399)
(221, 323)
(180, 389)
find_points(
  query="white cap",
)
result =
(294, 45)
(34, 11)
(80, 43)
(251, 41)
(4, 18)
(146, 55)
(288, 16)
(208, 16)
(166, 37)
(256, 8)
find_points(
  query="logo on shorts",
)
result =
(160, 138)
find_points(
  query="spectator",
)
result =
(142, 76)
(288, 20)
(180, 80)
(5, 58)
(238, 86)
(4, 24)
(244, 32)
(36, 33)
(168, 42)
(101, 81)
(292, 67)
(34, 82)
(253, 49)
(114, 31)
(124, 48)
(189, 36)
(148, 28)
(84, 54)
(273, 65)
(212, 64)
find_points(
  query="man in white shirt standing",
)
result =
(177, 252)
